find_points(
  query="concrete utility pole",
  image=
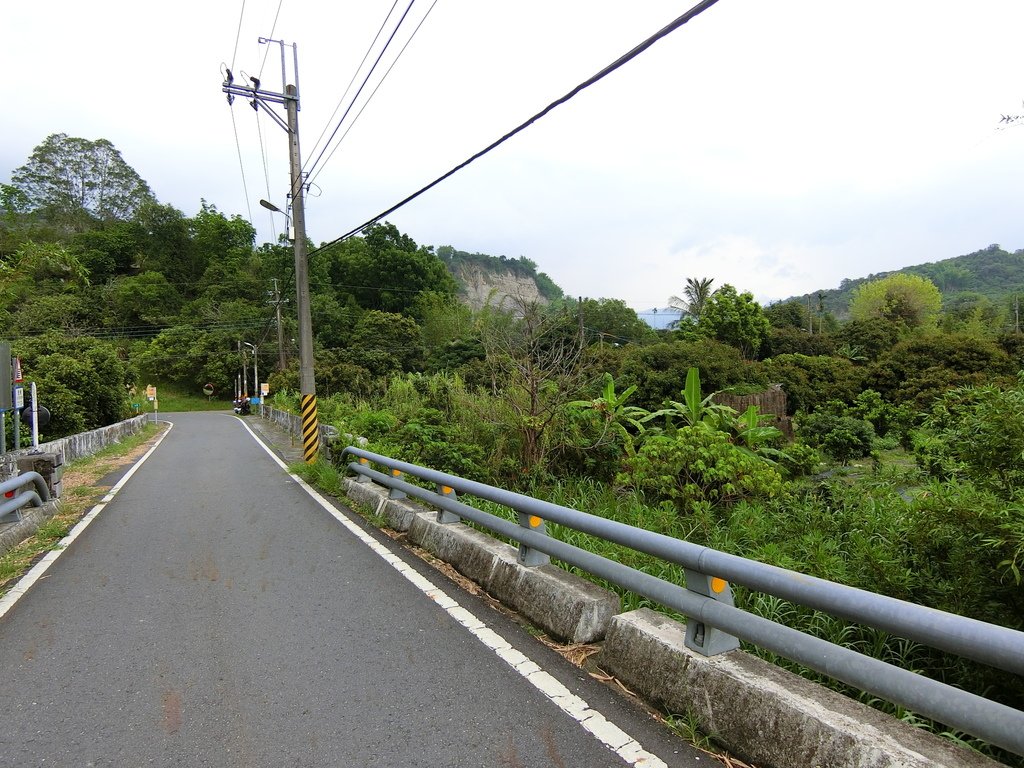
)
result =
(282, 361)
(290, 99)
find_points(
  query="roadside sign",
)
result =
(264, 389)
(151, 392)
(19, 397)
(18, 378)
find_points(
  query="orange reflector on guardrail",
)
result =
(718, 585)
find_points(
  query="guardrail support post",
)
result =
(443, 515)
(394, 493)
(363, 478)
(701, 638)
(528, 556)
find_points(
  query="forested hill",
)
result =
(487, 279)
(992, 274)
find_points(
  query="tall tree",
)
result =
(899, 298)
(695, 297)
(387, 271)
(536, 370)
(736, 319)
(75, 181)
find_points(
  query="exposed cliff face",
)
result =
(497, 288)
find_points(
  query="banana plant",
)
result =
(695, 410)
(612, 408)
(753, 438)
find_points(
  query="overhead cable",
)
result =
(312, 167)
(238, 35)
(266, 172)
(632, 54)
(241, 165)
(374, 93)
(354, 76)
(273, 28)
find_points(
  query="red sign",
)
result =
(18, 378)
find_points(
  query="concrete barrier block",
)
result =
(563, 605)
(397, 514)
(762, 712)
(470, 552)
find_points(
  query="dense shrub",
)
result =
(698, 464)
(841, 437)
(919, 369)
(976, 433)
(788, 340)
(869, 338)
(810, 382)
(659, 370)
(83, 381)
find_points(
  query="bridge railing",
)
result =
(22, 494)
(714, 624)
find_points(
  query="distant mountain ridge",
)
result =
(992, 273)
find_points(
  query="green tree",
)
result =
(386, 343)
(610, 321)
(920, 368)
(901, 298)
(385, 270)
(810, 382)
(788, 314)
(114, 250)
(143, 300)
(83, 381)
(870, 338)
(168, 246)
(695, 297)
(659, 370)
(76, 181)
(735, 319)
(40, 269)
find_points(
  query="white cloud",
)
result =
(778, 147)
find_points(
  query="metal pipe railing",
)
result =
(999, 646)
(22, 498)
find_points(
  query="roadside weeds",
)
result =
(80, 494)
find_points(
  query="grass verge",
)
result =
(171, 400)
(80, 494)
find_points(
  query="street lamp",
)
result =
(271, 207)
(255, 369)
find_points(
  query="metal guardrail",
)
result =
(20, 497)
(715, 623)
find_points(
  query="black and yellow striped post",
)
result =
(310, 429)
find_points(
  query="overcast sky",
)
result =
(778, 146)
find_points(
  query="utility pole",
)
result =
(282, 361)
(290, 99)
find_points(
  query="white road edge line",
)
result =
(25, 582)
(613, 737)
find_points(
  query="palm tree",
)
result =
(695, 295)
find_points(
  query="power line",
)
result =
(266, 173)
(625, 58)
(273, 28)
(354, 76)
(241, 165)
(313, 165)
(238, 36)
(374, 93)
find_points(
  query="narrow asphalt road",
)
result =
(215, 615)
